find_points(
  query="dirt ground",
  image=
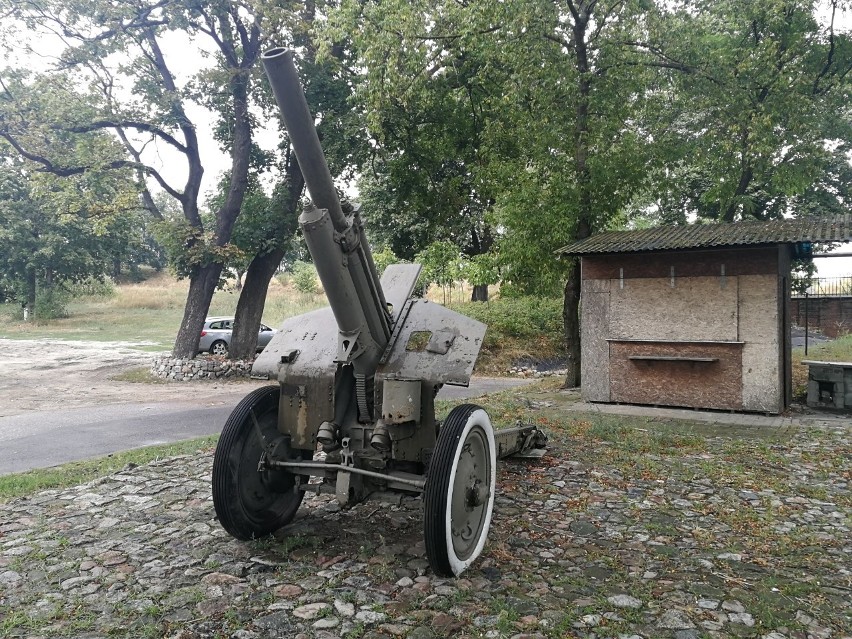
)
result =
(51, 374)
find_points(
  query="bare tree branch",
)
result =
(128, 124)
(568, 44)
(211, 31)
(573, 9)
(67, 171)
(829, 58)
(604, 20)
(140, 176)
(456, 36)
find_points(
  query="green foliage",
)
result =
(137, 46)
(442, 263)
(520, 317)
(385, 258)
(51, 303)
(490, 131)
(266, 222)
(481, 269)
(189, 248)
(757, 127)
(544, 127)
(427, 111)
(802, 272)
(51, 239)
(92, 287)
(305, 277)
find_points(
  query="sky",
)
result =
(835, 266)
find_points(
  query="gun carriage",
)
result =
(357, 381)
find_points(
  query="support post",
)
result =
(806, 322)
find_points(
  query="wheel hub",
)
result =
(476, 494)
(471, 493)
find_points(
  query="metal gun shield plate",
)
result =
(313, 334)
(398, 282)
(414, 354)
(460, 486)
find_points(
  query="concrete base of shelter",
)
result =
(798, 415)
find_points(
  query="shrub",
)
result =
(520, 330)
(521, 317)
(385, 258)
(305, 277)
(92, 287)
(50, 303)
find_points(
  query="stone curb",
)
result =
(200, 367)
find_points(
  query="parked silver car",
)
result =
(216, 335)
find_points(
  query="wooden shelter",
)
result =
(695, 316)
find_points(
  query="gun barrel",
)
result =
(282, 74)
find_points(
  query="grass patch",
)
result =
(141, 375)
(146, 314)
(18, 621)
(74, 473)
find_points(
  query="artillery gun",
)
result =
(356, 386)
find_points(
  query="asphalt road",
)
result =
(41, 439)
(797, 337)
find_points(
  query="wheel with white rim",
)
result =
(219, 347)
(459, 493)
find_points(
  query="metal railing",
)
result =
(821, 286)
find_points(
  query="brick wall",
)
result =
(832, 316)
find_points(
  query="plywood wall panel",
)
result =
(758, 303)
(751, 261)
(594, 363)
(695, 384)
(700, 308)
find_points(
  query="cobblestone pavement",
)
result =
(629, 527)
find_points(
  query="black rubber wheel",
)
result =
(219, 347)
(459, 493)
(249, 503)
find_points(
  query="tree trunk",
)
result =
(581, 13)
(202, 285)
(480, 242)
(480, 293)
(262, 267)
(571, 321)
(251, 304)
(239, 285)
(259, 273)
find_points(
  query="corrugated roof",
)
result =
(836, 228)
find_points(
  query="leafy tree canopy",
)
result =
(51, 235)
(757, 125)
(126, 54)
